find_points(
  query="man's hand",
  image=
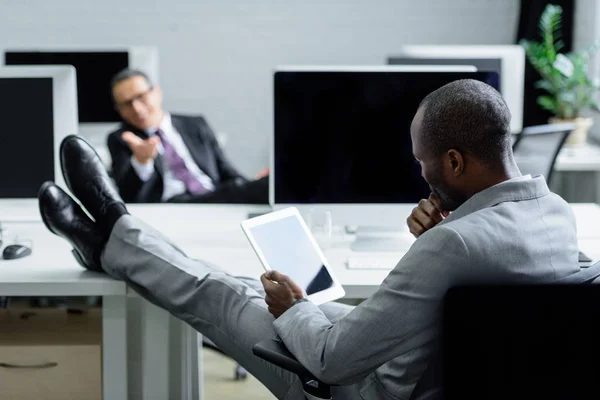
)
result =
(144, 151)
(281, 291)
(262, 173)
(427, 214)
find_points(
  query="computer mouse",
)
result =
(14, 251)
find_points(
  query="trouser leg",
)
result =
(227, 310)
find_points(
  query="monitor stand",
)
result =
(382, 239)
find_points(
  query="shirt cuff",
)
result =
(290, 314)
(143, 171)
(298, 301)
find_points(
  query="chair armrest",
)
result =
(275, 352)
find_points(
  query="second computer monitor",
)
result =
(507, 60)
(39, 106)
(343, 137)
(95, 68)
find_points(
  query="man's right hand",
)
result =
(427, 214)
(144, 151)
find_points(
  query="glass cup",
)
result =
(321, 226)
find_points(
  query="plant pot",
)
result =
(579, 135)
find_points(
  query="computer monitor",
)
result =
(39, 108)
(507, 60)
(95, 67)
(342, 140)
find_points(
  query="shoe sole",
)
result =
(60, 152)
(76, 254)
(43, 188)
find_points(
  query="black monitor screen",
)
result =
(344, 137)
(27, 139)
(94, 72)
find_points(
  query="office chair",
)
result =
(537, 147)
(275, 352)
(502, 323)
(522, 341)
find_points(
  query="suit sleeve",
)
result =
(400, 317)
(125, 176)
(226, 170)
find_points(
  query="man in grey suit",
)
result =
(483, 223)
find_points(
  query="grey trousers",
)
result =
(229, 310)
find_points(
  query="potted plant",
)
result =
(564, 76)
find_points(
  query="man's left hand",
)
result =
(262, 173)
(281, 291)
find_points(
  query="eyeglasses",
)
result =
(143, 97)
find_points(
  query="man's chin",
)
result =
(143, 124)
(446, 202)
(451, 205)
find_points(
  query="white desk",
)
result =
(224, 244)
(580, 158)
(147, 354)
(577, 173)
(52, 271)
(211, 233)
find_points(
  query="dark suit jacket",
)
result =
(201, 143)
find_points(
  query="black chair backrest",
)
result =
(473, 311)
(537, 147)
(522, 341)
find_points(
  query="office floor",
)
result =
(220, 385)
(219, 371)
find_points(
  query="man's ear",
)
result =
(457, 162)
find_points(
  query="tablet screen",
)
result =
(287, 248)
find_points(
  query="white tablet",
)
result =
(283, 242)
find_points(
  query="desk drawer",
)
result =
(50, 354)
(50, 372)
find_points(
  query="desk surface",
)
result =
(579, 158)
(210, 233)
(51, 269)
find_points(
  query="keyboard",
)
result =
(373, 261)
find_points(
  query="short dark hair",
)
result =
(126, 74)
(470, 116)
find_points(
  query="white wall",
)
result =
(216, 57)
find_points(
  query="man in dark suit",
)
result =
(159, 157)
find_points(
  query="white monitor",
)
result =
(39, 107)
(507, 60)
(95, 65)
(342, 139)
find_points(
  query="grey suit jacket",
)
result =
(514, 232)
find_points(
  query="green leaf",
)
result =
(550, 24)
(545, 85)
(564, 65)
(548, 103)
(567, 97)
(564, 76)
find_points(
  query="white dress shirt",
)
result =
(172, 185)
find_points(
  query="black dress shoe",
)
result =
(63, 217)
(87, 178)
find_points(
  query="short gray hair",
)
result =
(128, 73)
